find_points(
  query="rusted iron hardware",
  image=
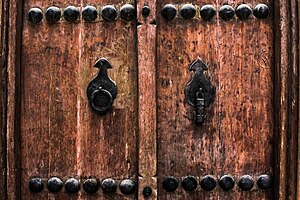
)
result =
(102, 91)
(246, 183)
(169, 184)
(208, 11)
(147, 191)
(199, 92)
(36, 185)
(127, 12)
(89, 186)
(72, 185)
(226, 182)
(53, 14)
(189, 183)
(127, 186)
(209, 183)
(55, 184)
(89, 13)
(146, 11)
(109, 185)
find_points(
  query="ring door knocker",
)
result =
(102, 91)
(199, 92)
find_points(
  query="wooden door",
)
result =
(234, 144)
(205, 108)
(62, 138)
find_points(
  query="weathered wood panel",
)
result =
(61, 136)
(147, 99)
(286, 99)
(13, 136)
(237, 136)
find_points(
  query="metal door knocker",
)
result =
(199, 92)
(102, 91)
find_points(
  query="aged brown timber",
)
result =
(147, 98)
(286, 99)
(61, 135)
(3, 97)
(237, 135)
(13, 143)
(48, 129)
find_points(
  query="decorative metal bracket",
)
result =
(102, 91)
(199, 92)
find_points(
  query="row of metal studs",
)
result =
(127, 12)
(89, 13)
(208, 12)
(209, 183)
(170, 184)
(90, 185)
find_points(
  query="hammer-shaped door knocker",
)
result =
(199, 92)
(102, 91)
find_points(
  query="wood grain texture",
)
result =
(13, 100)
(3, 97)
(286, 98)
(61, 136)
(147, 98)
(237, 136)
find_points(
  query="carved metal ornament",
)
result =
(102, 91)
(199, 92)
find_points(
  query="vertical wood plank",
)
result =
(3, 96)
(50, 61)
(147, 98)
(13, 100)
(286, 98)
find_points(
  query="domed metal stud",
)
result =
(243, 11)
(246, 183)
(170, 184)
(169, 12)
(109, 185)
(207, 12)
(127, 186)
(109, 13)
(226, 12)
(55, 184)
(91, 186)
(53, 14)
(147, 191)
(261, 11)
(208, 183)
(36, 185)
(189, 183)
(89, 13)
(72, 185)
(264, 182)
(127, 12)
(226, 182)
(71, 14)
(188, 11)
(145, 11)
(35, 15)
